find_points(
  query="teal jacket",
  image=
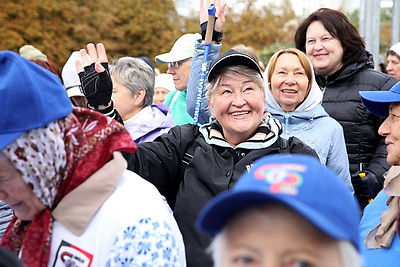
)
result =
(176, 100)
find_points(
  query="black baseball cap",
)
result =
(232, 58)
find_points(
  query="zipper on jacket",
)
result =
(323, 89)
(286, 127)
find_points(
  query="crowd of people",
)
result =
(292, 164)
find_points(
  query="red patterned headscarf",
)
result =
(55, 160)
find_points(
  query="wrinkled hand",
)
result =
(219, 13)
(365, 187)
(94, 75)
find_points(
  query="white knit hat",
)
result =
(396, 48)
(31, 52)
(165, 80)
(70, 77)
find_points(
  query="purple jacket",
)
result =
(149, 123)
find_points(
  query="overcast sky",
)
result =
(301, 7)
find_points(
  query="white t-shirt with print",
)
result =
(134, 227)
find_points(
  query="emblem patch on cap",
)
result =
(282, 178)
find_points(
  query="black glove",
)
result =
(216, 36)
(97, 87)
(366, 184)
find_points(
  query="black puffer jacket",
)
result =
(211, 170)
(365, 148)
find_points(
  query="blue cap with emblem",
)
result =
(299, 182)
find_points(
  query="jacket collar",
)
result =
(77, 209)
(267, 133)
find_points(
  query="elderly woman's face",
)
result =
(390, 129)
(126, 104)
(238, 105)
(160, 94)
(276, 236)
(324, 51)
(393, 66)
(16, 193)
(289, 82)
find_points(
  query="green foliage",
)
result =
(354, 18)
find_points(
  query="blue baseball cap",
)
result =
(299, 182)
(32, 97)
(378, 102)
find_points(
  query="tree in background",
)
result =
(266, 28)
(33, 22)
(145, 27)
(126, 27)
(132, 27)
(260, 27)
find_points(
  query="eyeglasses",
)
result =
(176, 64)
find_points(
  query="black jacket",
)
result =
(365, 148)
(190, 181)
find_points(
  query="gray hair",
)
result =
(216, 248)
(233, 71)
(134, 74)
(350, 255)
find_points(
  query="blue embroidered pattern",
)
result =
(149, 243)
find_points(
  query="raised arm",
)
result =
(198, 57)
(96, 81)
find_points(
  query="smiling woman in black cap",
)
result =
(191, 164)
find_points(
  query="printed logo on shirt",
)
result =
(69, 255)
(249, 167)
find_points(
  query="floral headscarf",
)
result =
(55, 160)
(38, 152)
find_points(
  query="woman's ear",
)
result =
(211, 107)
(139, 97)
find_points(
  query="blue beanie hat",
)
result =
(32, 97)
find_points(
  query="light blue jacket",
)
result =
(194, 78)
(309, 122)
(317, 129)
(382, 257)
